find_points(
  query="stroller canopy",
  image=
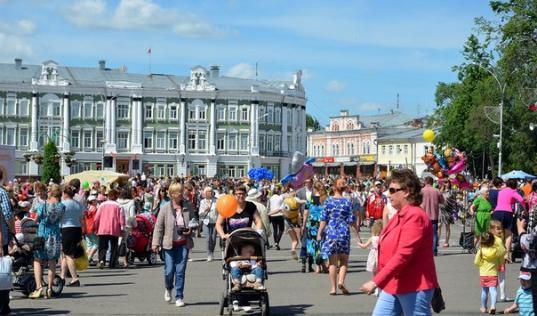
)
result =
(241, 237)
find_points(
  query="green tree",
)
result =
(51, 164)
(311, 122)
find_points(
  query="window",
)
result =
(368, 148)
(244, 141)
(277, 142)
(99, 139)
(171, 170)
(231, 171)
(191, 113)
(202, 113)
(149, 112)
(99, 110)
(75, 139)
(23, 137)
(148, 140)
(55, 135)
(398, 149)
(390, 149)
(221, 114)
(221, 141)
(87, 139)
(278, 115)
(10, 136)
(11, 107)
(122, 111)
(406, 149)
(262, 117)
(384, 149)
(88, 109)
(191, 139)
(270, 138)
(75, 109)
(173, 140)
(1, 107)
(232, 142)
(122, 140)
(241, 172)
(202, 140)
(289, 117)
(173, 112)
(161, 140)
(24, 107)
(161, 112)
(270, 116)
(244, 114)
(232, 113)
(262, 143)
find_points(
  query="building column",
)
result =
(182, 148)
(33, 138)
(254, 129)
(107, 120)
(212, 130)
(284, 144)
(303, 126)
(139, 123)
(113, 112)
(293, 147)
(136, 144)
(65, 131)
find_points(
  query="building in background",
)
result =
(201, 124)
(348, 145)
(402, 150)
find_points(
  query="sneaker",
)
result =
(236, 288)
(293, 255)
(209, 258)
(167, 295)
(258, 286)
(179, 303)
(247, 308)
(101, 265)
(190, 260)
(236, 306)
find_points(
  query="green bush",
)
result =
(51, 163)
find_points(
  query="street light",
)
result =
(500, 136)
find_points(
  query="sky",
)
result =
(356, 55)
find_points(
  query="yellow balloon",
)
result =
(428, 135)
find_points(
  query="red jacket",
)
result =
(375, 205)
(406, 262)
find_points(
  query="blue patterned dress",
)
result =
(337, 214)
(312, 227)
(49, 216)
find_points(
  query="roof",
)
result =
(96, 77)
(387, 119)
(400, 134)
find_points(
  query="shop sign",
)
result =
(367, 158)
(326, 159)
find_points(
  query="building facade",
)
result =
(348, 145)
(202, 124)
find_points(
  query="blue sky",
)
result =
(355, 55)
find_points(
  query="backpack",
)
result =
(90, 220)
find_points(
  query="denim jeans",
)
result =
(175, 261)
(414, 303)
(435, 237)
(236, 273)
(211, 238)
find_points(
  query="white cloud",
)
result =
(143, 15)
(242, 70)
(14, 39)
(359, 107)
(335, 86)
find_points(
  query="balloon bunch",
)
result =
(259, 174)
(301, 168)
(448, 165)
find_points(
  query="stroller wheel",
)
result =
(57, 286)
(151, 258)
(265, 305)
(130, 258)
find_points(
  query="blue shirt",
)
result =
(493, 197)
(5, 207)
(72, 215)
(524, 302)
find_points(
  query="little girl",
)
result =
(373, 244)
(488, 258)
(496, 228)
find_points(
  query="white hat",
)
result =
(254, 194)
(24, 204)
(378, 183)
(526, 276)
(92, 198)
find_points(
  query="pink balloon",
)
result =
(308, 171)
(458, 167)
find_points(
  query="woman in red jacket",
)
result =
(406, 270)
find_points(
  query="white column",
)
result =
(284, 145)
(33, 137)
(113, 112)
(65, 132)
(134, 123)
(107, 119)
(303, 139)
(212, 129)
(293, 147)
(139, 122)
(254, 129)
(182, 129)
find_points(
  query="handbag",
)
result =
(437, 303)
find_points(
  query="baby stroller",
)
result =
(231, 252)
(23, 259)
(139, 240)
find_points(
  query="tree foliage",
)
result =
(51, 165)
(311, 122)
(497, 54)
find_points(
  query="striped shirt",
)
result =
(524, 302)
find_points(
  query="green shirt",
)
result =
(482, 205)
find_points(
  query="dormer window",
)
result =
(198, 80)
(49, 75)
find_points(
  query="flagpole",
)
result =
(149, 53)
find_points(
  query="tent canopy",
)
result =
(518, 174)
(104, 177)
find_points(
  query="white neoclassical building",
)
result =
(201, 124)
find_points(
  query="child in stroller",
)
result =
(247, 271)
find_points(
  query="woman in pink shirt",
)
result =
(109, 225)
(507, 198)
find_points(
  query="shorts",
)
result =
(506, 218)
(92, 241)
(71, 237)
(488, 281)
(291, 222)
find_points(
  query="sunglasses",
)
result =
(394, 190)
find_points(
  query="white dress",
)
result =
(372, 258)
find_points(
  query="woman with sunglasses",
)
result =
(406, 272)
(336, 219)
(245, 216)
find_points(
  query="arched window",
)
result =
(335, 127)
(350, 125)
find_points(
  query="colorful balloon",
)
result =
(428, 135)
(459, 166)
(85, 185)
(227, 205)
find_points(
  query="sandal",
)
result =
(343, 289)
(37, 293)
(49, 293)
(446, 245)
(332, 293)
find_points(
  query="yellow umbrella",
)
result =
(104, 177)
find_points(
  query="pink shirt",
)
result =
(432, 198)
(109, 219)
(506, 198)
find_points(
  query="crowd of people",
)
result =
(319, 219)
